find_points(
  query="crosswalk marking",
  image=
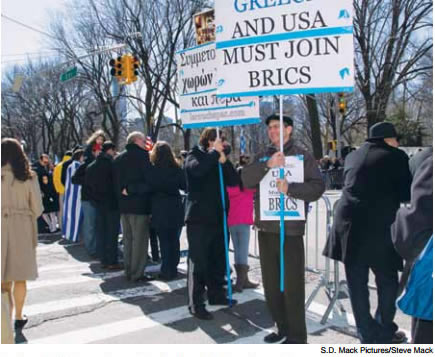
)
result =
(105, 331)
(154, 288)
(97, 277)
(66, 266)
(67, 276)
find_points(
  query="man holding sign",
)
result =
(286, 308)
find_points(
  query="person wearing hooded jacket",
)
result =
(204, 222)
(376, 180)
(99, 178)
(287, 308)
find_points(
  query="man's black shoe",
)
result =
(202, 314)
(222, 301)
(273, 338)
(399, 337)
(290, 342)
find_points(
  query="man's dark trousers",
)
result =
(108, 221)
(381, 328)
(287, 308)
(206, 263)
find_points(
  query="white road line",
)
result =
(156, 287)
(64, 266)
(83, 278)
(74, 280)
(105, 331)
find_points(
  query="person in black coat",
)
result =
(100, 180)
(204, 222)
(50, 200)
(377, 180)
(166, 179)
(132, 167)
(41, 167)
(411, 231)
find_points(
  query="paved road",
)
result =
(75, 301)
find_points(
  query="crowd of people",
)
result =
(95, 194)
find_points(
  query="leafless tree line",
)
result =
(393, 74)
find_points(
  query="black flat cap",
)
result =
(287, 120)
(382, 130)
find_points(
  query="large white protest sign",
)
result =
(199, 104)
(273, 47)
(270, 204)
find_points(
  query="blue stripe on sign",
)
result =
(287, 92)
(203, 91)
(342, 30)
(229, 122)
(277, 214)
(250, 104)
(194, 48)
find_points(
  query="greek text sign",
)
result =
(272, 47)
(270, 205)
(200, 107)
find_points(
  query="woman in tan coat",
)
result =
(21, 206)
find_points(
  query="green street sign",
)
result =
(71, 73)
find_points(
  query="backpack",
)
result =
(417, 298)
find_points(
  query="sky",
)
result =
(19, 43)
(16, 40)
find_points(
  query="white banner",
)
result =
(200, 107)
(294, 210)
(273, 47)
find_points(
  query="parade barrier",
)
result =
(334, 288)
(334, 178)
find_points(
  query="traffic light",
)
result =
(341, 103)
(332, 145)
(125, 60)
(134, 68)
(117, 69)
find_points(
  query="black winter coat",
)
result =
(376, 180)
(79, 179)
(164, 185)
(414, 225)
(50, 198)
(204, 203)
(132, 167)
(99, 179)
(39, 169)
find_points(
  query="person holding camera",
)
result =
(204, 221)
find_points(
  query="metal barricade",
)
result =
(328, 279)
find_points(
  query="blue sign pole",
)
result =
(227, 256)
(281, 198)
(221, 179)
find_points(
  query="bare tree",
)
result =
(165, 26)
(391, 38)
